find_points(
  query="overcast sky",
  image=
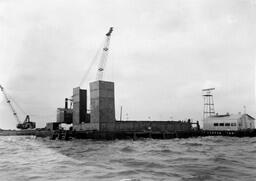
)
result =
(162, 53)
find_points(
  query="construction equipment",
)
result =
(104, 55)
(26, 124)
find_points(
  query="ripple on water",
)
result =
(127, 149)
(207, 158)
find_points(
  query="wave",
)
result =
(206, 158)
(127, 149)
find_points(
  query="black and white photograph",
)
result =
(127, 90)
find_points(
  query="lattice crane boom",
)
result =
(10, 104)
(104, 55)
(26, 124)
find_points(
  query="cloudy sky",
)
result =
(162, 54)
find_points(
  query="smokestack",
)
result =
(66, 103)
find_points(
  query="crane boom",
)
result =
(104, 55)
(10, 104)
(26, 124)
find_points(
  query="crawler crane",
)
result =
(26, 124)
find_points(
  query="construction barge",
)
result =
(100, 122)
(96, 135)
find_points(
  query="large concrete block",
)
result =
(102, 102)
(79, 105)
(64, 115)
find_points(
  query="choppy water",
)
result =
(207, 158)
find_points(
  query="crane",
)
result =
(26, 124)
(102, 51)
(104, 55)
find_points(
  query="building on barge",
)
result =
(229, 122)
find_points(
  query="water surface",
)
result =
(206, 158)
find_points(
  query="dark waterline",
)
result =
(206, 158)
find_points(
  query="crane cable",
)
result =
(11, 99)
(103, 51)
(17, 105)
(32, 115)
(85, 76)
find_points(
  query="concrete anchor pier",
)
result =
(102, 118)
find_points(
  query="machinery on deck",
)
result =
(26, 124)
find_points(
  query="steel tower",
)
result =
(208, 103)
